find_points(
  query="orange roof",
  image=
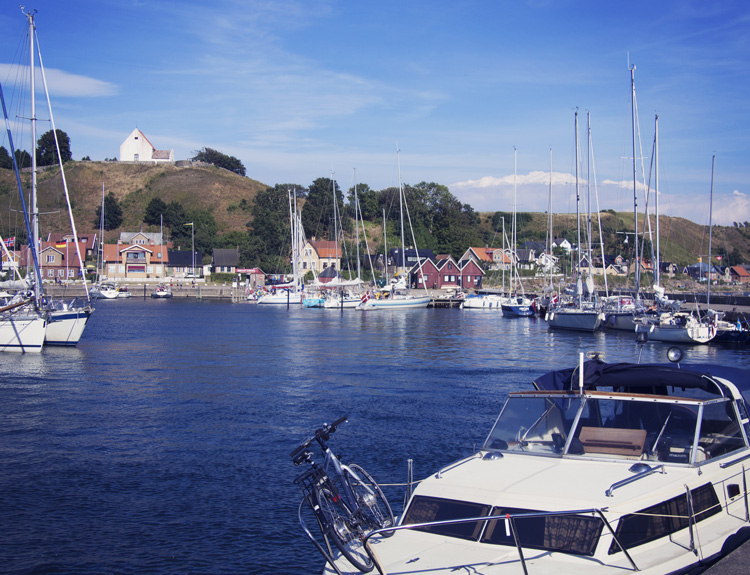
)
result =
(740, 271)
(326, 248)
(482, 253)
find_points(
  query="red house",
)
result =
(471, 275)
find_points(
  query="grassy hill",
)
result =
(221, 192)
(134, 186)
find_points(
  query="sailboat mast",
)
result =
(635, 183)
(33, 206)
(513, 233)
(401, 208)
(385, 247)
(588, 188)
(578, 212)
(657, 266)
(356, 220)
(710, 231)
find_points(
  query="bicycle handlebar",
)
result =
(321, 435)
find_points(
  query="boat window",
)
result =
(429, 509)
(665, 518)
(576, 534)
(636, 429)
(534, 424)
(720, 431)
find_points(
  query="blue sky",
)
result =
(297, 89)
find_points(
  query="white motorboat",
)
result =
(483, 301)
(601, 469)
(162, 291)
(104, 290)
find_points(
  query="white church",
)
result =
(137, 148)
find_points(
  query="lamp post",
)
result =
(192, 238)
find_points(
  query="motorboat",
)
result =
(104, 290)
(483, 301)
(598, 469)
(162, 291)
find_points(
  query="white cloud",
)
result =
(61, 83)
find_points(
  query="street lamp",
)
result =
(192, 238)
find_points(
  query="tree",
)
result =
(269, 233)
(211, 156)
(154, 212)
(46, 150)
(112, 213)
(317, 213)
(23, 159)
(6, 162)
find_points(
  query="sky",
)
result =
(476, 95)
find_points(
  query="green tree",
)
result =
(154, 212)
(23, 159)
(6, 162)
(211, 156)
(46, 150)
(317, 213)
(269, 234)
(112, 213)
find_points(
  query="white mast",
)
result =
(579, 288)
(401, 208)
(33, 206)
(657, 266)
(710, 231)
(356, 220)
(635, 184)
(513, 233)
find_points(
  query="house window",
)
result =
(50, 259)
(136, 156)
(50, 273)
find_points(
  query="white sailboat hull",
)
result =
(406, 302)
(483, 302)
(678, 334)
(22, 333)
(579, 320)
(280, 298)
(65, 327)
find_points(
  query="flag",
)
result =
(718, 258)
(365, 297)
(61, 244)
(10, 242)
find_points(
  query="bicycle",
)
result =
(347, 502)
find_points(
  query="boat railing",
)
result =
(635, 477)
(509, 517)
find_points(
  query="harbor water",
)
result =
(161, 443)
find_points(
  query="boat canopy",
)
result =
(648, 378)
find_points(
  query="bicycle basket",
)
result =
(309, 479)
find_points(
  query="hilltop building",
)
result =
(137, 148)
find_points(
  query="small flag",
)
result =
(61, 244)
(718, 258)
(10, 242)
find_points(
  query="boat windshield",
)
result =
(642, 427)
(534, 423)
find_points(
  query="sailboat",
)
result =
(397, 295)
(669, 324)
(289, 293)
(66, 319)
(102, 289)
(581, 315)
(516, 305)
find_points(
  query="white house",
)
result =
(137, 148)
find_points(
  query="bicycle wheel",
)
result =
(373, 506)
(346, 535)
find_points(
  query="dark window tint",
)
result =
(665, 518)
(429, 509)
(577, 534)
